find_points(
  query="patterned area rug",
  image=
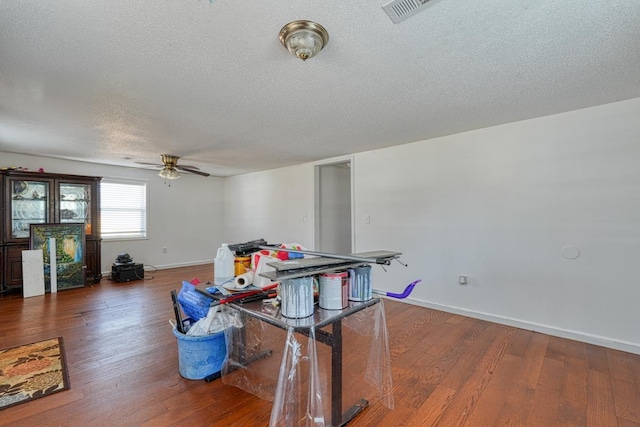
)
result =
(31, 371)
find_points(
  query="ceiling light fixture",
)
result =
(169, 173)
(304, 39)
(169, 170)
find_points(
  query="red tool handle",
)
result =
(245, 294)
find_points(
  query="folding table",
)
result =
(276, 358)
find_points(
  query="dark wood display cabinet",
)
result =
(46, 198)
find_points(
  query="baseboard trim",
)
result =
(151, 268)
(531, 326)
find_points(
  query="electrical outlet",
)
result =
(462, 280)
(367, 219)
(164, 250)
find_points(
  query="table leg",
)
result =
(336, 374)
(337, 417)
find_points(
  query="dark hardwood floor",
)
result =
(448, 370)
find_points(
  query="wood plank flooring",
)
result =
(448, 370)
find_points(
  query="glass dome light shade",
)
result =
(168, 173)
(304, 39)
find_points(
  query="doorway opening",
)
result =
(333, 226)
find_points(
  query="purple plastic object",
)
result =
(404, 294)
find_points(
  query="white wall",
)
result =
(186, 218)
(498, 205)
(276, 205)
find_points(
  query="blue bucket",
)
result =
(200, 356)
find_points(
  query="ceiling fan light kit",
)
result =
(167, 173)
(169, 170)
(304, 39)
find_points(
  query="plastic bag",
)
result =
(193, 303)
(285, 255)
(217, 319)
(259, 262)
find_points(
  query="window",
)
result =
(123, 209)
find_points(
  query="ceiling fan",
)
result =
(170, 167)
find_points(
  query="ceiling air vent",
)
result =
(399, 10)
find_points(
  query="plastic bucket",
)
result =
(200, 356)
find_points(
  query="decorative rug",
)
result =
(31, 371)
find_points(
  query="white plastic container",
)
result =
(223, 268)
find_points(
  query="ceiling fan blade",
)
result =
(188, 169)
(149, 164)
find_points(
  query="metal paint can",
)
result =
(241, 264)
(360, 284)
(333, 290)
(296, 297)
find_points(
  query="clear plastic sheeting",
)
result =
(218, 318)
(317, 371)
(373, 323)
(299, 381)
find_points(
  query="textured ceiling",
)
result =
(121, 81)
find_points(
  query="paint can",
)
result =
(296, 297)
(333, 290)
(241, 264)
(360, 284)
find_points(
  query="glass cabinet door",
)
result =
(75, 204)
(29, 204)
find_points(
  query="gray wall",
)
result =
(333, 209)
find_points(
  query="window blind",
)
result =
(123, 209)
